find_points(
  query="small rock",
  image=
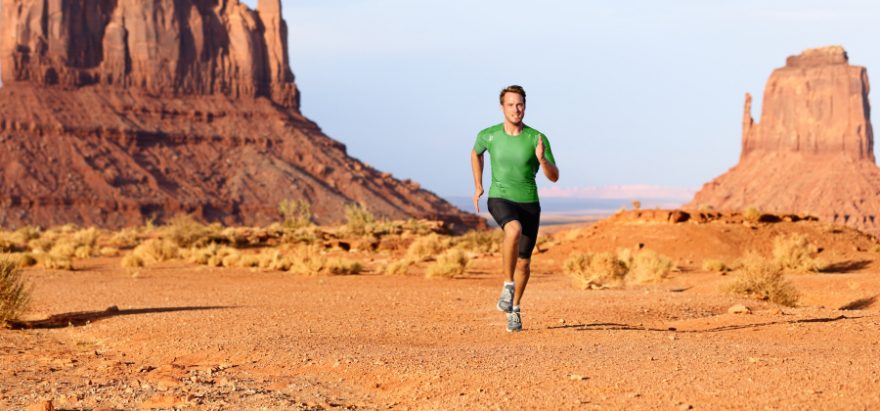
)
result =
(562, 320)
(576, 377)
(685, 407)
(739, 309)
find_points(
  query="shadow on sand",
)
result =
(627, 327)
(846, 266)
(81, 318)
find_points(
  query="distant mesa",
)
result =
(113, 112)
(813, 149)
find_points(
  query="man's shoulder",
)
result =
(532, 131)
(491, 130)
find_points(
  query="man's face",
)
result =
(514, 107)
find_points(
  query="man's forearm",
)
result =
(550, 170)
(477, 168)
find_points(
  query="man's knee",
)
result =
(513, 228)
(524, 263)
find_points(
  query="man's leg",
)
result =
(509, 250)
(523, 270)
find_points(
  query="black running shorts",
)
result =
(528, 215)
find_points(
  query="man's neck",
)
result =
(513, 129)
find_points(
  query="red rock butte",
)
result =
(113, 112)
(813, 150)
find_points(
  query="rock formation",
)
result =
(115, 111)
(813, 150)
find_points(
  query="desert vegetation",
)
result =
(614, 270)
(14, 295)
(763, 279)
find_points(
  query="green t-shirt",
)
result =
(514, 164)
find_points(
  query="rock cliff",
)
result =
(813, 149)
(115, 111)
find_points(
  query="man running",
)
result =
(516, 152)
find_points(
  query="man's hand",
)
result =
(539, 150)
(477, 193)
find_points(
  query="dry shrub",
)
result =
(795, 253)
(752, 215)
(303, 235)
(86, 237)
(22, 260)
(342, 266)
(85, 251)
(449, 264)
(481, 241)
(184, 231)
(762, 279)
(307, 260)
(125, 238)
(715, 265)
(359, 220)
(132, 261)
(14, 295)
(295, 213)
(398, 267)
(424, 248)
(60, 257)
(648, 267)
(157, 250)
(213, 255)
(17, 241)
(249, 261)
(595, 270)
(273, 259)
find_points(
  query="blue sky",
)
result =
(629, 92)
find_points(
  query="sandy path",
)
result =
(235, 339)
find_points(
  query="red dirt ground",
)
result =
(183, 336)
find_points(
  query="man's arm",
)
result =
(550, 169)
(477, 168)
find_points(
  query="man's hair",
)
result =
(512, 89)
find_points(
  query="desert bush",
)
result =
(132, 261)
(762, 279)
(86, 237)
(715, 265)
(795, 252)
(752, 215)
(184, 231)
(426, 247)
(307, 260)
(125, 238)
(480, 241)
(14, 295)
(295, 213)
(157, 250)
(342, 266)
(21, 260)
(449, 264)
(84, 251)
(595, 270)
(17, 241)
(358, 219)
(273, 259)
(647, 267)
(303, 235)
(398, 267)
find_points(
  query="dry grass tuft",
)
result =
(14, 295)
(184, 231)
(752, 215)
(795, 253)
(715, 265)
(398, 267)
(451, 263)
(762, 279)
(132, 261)
(599, 270)
(125, 239)
(22, 260)
(157, 250)
(649, 267)
(359, 220)
(295, 213)
(427, 247)
(481, 241)
(342, 266)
